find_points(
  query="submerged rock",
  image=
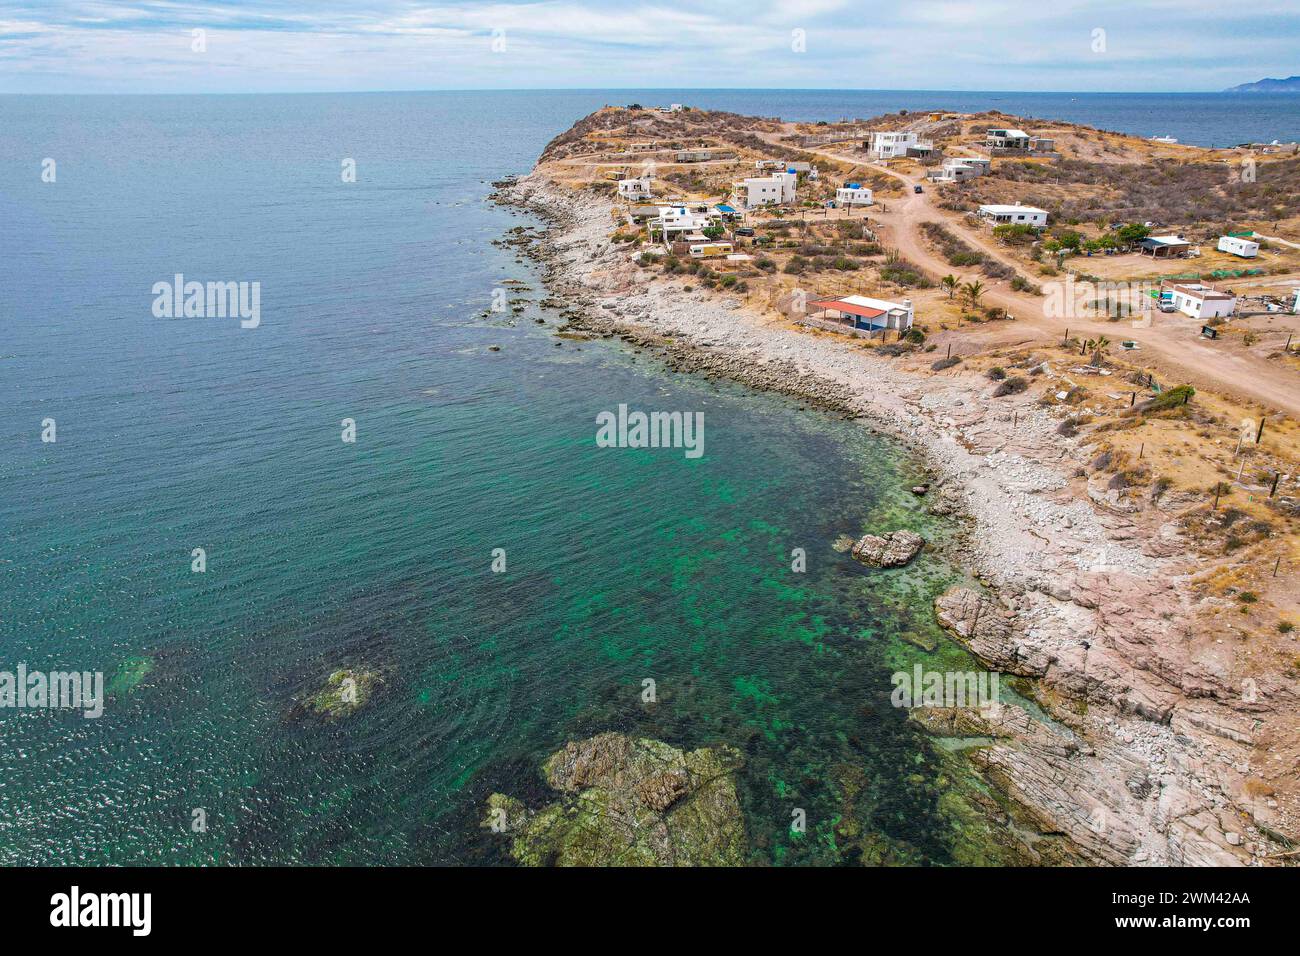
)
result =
(843, 543)
(629, 802)
(128, 676)
(345, 692)
(893, 550)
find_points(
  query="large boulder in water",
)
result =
(629, 802)
(892, 550)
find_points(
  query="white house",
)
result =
(678, 222)
(1246, 248)
(1016, 215)
(634, 189)
(868, 313)
(1003, 138)
(779, 188)
(1200, 301)
(853, 194)
(959, 168)
(892, 145)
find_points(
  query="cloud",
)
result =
(271, 45)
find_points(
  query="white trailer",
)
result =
(1246, 248)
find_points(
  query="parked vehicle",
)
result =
(917, 189)
(744, 231)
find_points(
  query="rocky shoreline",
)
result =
(1144, 755)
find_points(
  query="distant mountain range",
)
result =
(1290, 85)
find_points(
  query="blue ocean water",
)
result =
(1200, 119)
(622, 565)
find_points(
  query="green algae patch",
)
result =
(628, 802)
(128, 676)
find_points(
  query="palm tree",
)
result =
(1097, 346)
(972, 292)
(950, 282)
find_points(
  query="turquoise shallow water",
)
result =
(622, 564)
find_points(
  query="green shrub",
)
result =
(1169, 398)
(1012, 386)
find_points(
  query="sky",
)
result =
(173, 46)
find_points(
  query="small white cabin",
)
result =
(1016, 215)
(1200, 301)
(853, 194)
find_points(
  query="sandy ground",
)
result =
(1154, 752)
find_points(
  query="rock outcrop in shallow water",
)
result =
(892, 550)
(629, 802)
(345, 692)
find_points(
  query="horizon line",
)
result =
(648, 89)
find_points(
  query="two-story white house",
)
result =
(777, 189)
(634, 190)
(679, 222)
(891, 145)
(1003, 138)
